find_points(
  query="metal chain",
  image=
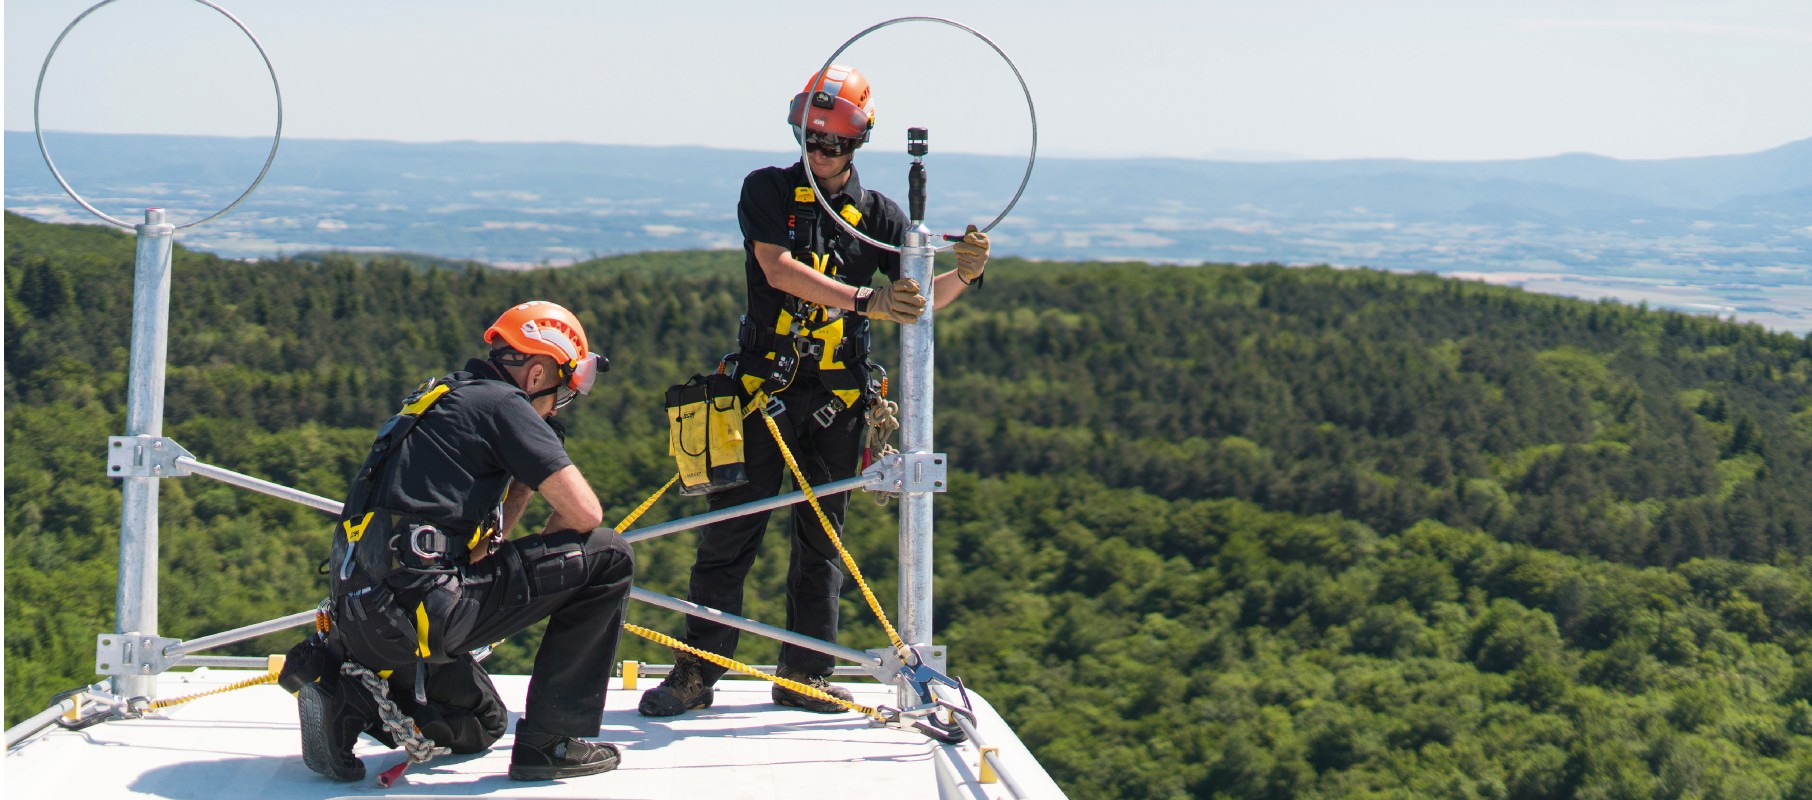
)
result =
(420, 748)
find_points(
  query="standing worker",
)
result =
(422, 573)
(804, 347)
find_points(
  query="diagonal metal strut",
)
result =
(698, 521)
(867, 661)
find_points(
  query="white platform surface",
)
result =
(244, 744)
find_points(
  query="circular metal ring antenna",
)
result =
(1031, 157)
(37, 128)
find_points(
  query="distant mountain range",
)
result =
(1718, 233)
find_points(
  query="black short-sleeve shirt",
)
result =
(457, 463)
(768, 201)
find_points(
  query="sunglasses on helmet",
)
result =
(830, 144)
(583, 377)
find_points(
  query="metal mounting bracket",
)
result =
(144, 457)
(910, 472)
(890, 668)
(132, 654)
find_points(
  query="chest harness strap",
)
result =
(832, 339)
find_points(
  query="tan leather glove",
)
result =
(971, 255)
(900, 302)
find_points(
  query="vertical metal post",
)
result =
(917, 348)
(135, 606)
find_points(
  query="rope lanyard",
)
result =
(646, 504)
(831, 531)
(730, 663)
(269, 677)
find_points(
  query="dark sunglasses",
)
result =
(830, 144)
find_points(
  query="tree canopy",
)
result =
(1217, 531)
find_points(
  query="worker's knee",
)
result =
(613, 554)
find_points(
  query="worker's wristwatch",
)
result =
(862, 296)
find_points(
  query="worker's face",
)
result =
(826, 167)
(828, 155)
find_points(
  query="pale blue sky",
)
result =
(1309, 78)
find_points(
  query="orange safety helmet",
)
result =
(836, 101)
(539, 327)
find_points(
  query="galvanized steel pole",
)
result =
(917, 350)
(135, 604)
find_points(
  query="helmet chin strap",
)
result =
(504, 370)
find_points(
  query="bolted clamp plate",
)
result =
(910, 472)
(132, 654)
(931, 655)
(144, 457)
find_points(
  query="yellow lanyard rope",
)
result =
(646, 504)
(831, 531)
(730, 663)
(269, 677)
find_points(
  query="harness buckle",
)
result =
(775, 406)
(828, 413)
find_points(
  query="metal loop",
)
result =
(37, 128)
(1031, 157)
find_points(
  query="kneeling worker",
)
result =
(422, 573)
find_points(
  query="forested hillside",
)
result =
(1214, 531)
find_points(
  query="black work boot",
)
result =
(331, 722)
(788, 697)
(544, 757)
(687, 687)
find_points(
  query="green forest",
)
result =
(1215, 532)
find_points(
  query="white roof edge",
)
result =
(245, 743)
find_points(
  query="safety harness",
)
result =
(370, 544)
(834, 340)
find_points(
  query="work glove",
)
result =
(900, 302)
(971, 255)
(559, 429)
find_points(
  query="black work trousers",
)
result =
(577, 580)
(814, 576)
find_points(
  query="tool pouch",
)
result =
(374, 630)
(704, 416)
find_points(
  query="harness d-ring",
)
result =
(1031, 157)
(415, 545)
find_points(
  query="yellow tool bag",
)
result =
(704, 416)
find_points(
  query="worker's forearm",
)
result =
(816, 287)
(575, 506)
(515, 501)
(946, 288)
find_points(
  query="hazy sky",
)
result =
(1307, 78)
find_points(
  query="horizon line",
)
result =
(1281, 158)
